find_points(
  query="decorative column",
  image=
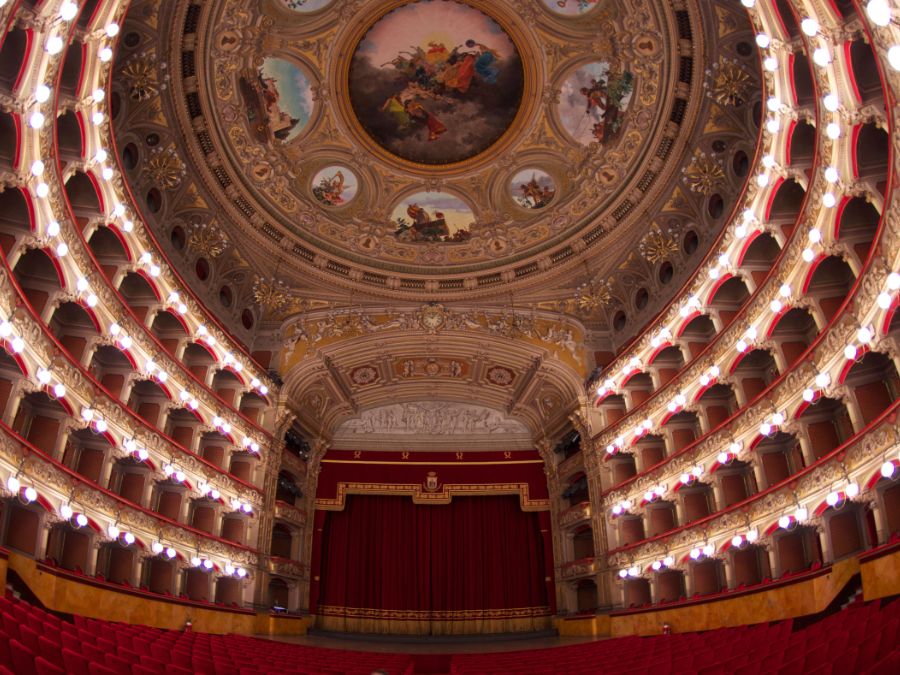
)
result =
(271, 465)
(544, 447)
(313, 467)
(593, 469)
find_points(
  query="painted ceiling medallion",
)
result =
(433, 150)
(335, 185)
(364, 375)
(304, 6)
(278, 96)
(436, 82)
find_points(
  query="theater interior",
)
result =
(449, 336)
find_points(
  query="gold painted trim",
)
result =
(460, 463)
(428, 614)
(443, 495)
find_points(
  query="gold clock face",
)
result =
(432, 317)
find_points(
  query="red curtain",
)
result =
(477, 558)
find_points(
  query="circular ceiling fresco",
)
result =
(433, 145)
(435, 82)
(439, 135)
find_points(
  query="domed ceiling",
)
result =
(309, 153)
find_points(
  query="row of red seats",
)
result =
(859, 639)
(35, 642)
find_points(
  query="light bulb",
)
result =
(81, 520)
(893, 56)
(42, 93)
(879, 11)
(105, 54)
(31, 494)
(68, 10)
(893, 281)
(887, 469)
(66, 511)
(763, 41)
(809, 26)
(54, 44)
(831, 102)
(784, 522)
(822, 56)
(833, 130)
(36, 121)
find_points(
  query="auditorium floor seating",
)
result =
(861, 638)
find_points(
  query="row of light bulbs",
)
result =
(880, 13)
(865, 335)
(36, 120)
(78, 519)
(692, 305)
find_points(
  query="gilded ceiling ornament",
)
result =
(728, 83)
(164, 168)
(208, 240)
(271, 294)
(592, 297)
(658, 245)
(704, 174)
(140, 77)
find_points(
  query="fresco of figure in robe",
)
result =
(435, 82)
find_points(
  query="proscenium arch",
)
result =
(335, 382)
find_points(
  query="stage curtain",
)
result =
(474, 565)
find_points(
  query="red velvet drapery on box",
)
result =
(477, 564)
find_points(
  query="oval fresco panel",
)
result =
(305, 6)
(593, 103)
(279, 100)
(435, 82)
(334, 185)
(532, 188)
(571, 7)
(432, 216)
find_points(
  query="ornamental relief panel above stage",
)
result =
(521, 370)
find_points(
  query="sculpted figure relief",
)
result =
(431, 419)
